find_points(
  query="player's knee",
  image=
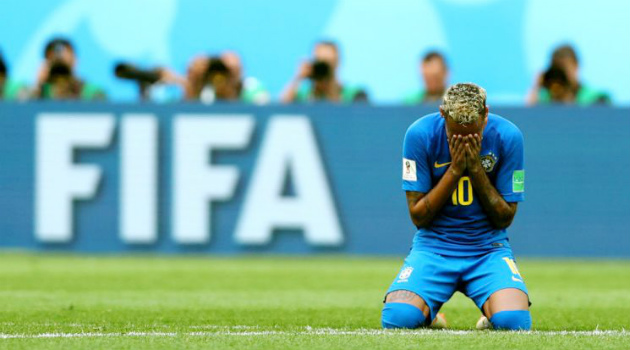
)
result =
(401, 315)
(515, 320)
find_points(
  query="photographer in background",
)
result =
(10, 90)
(434, 73)
(317, 80)
(565, 58)
(57, 80)
(220, 78)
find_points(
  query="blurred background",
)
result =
(276, 126)
(502, 45)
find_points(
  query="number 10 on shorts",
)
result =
(512, 265)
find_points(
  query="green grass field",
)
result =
(79, 302)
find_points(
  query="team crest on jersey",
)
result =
(404, 274)
(488, 162)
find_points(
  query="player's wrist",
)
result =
(455, 171)
(475, 171)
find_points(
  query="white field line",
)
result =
(240, 331)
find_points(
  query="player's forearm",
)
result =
(498, 210)
(425, 209)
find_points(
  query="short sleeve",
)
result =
(511, 173)
(415, 170)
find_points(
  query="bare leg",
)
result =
(407, 297)
(505, 300)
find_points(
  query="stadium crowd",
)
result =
(220, 78)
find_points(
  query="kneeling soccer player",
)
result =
(463, 176)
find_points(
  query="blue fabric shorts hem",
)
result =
(435, 278)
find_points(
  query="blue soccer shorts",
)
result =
(435, 278)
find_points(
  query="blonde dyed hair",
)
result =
(465, 103)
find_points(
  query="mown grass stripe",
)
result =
(322, 331)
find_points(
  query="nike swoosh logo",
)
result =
(438, 165)
(516, 279)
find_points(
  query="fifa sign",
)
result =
(288, 146)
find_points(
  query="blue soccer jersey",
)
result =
(462, 228)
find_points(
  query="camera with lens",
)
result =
(141, 76)
(321, 70)
(145, 78)
(3, 75)
(554, 76)
(556, 82)
(3, 67)
(217, 72)
(59, 71)
(219, 83)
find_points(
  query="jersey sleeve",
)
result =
(415, 170)
(511, 174)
